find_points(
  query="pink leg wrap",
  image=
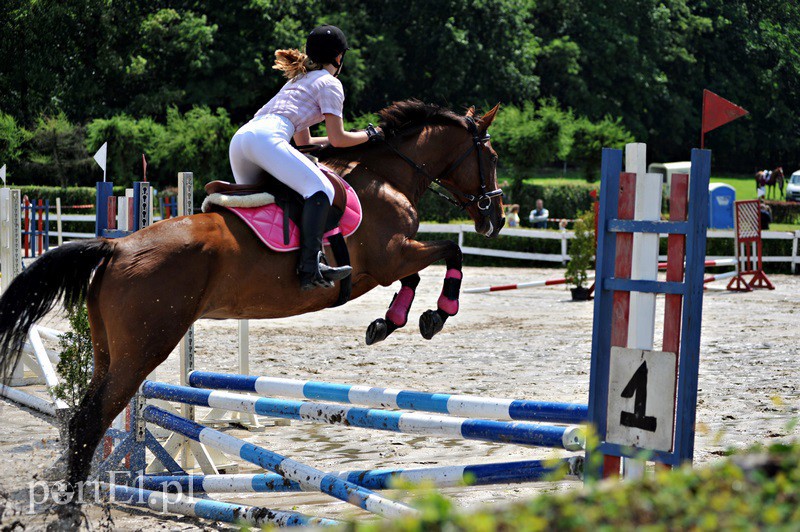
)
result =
(448, 301)
(398, 311)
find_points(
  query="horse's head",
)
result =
(472, 177)
(450, 150)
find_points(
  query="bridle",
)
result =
(482, 200)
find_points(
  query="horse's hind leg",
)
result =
(85, 411)
(134, 352)
(397, 315)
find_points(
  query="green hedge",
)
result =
(563, 201)
(785, 212)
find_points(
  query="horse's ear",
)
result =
(470, 112)
(487, 119)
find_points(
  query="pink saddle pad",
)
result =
(267, 223)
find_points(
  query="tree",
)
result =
(57, 153)
(173, 50)
(127, 139)
(12, 138)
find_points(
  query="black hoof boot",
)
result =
(430, 323)
(378, 330)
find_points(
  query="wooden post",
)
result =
(58, 222)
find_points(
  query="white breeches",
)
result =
(263, 145)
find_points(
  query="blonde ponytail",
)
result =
(293, 63)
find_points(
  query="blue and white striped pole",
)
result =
(210, 509)
(441, 403)
(522, 433)
(377, 479)
(310, 479)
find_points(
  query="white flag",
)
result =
(3, 174)
(100, 157)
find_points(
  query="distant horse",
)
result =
(771, 180)
(214, 267)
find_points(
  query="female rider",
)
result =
(312, 94)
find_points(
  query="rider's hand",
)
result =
(374, 134)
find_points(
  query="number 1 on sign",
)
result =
(637, 387)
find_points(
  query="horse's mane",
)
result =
(401, 118)
(405, 115)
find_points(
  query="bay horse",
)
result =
(775, 178)
(213, 266)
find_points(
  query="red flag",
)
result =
(718, 111)
(144, 169)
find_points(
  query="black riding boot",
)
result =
(313, 269)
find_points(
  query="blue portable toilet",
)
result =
(721, 198)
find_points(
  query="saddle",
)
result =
(272, 186)
(273, 211)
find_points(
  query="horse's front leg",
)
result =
(397, 315)
(432, 321)
(411, 258)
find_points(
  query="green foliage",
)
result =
(785, 212)
(563, 201)
(12, 137)
(75, 366)
(531, 136)
(590, 139)
(127, 139)
(581, 250)
(174, 46)
(758, 491)
(196, 141)
(56, 151)
(643, 63)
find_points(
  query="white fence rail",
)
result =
(562, 235)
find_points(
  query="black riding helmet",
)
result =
(324, 44)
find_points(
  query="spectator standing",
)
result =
(512, 218)
(539, 216)
(766, 214)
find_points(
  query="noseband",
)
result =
(482, 200)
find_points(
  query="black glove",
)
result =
(374, 134)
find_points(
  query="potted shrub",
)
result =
(581, 252)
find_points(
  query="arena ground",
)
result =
(523, 344)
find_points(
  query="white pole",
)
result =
(644, 266)
(185, 203)
(244, 347)
(58, 222)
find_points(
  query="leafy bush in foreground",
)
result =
(756, 491)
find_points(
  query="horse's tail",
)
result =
(61, 273)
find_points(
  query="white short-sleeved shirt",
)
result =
(305, 99)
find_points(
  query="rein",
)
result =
(482, 200)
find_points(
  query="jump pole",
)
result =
(467, 406)
(531, 284)
(310, 479)
(378, 479)
(211, 509)
(521, 433)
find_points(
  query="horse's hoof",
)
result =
(430, 323)
(377, 331)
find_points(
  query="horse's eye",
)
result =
(493, 158)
